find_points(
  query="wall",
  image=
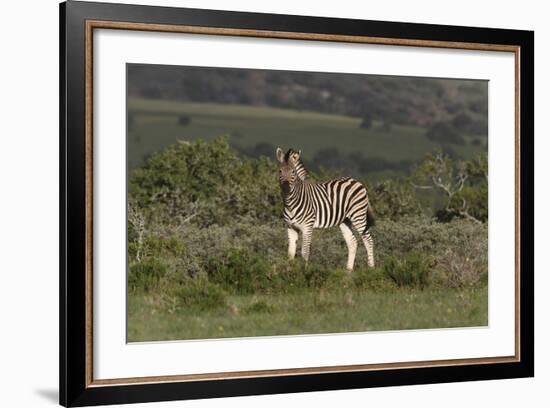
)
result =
(29, 218)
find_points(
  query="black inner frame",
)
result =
(72, 300)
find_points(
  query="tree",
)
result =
(366, 123)
(463, 184)
(184, 120)
(394, 199)
(444, 133)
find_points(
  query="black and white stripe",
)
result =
(341, 202)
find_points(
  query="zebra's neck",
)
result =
(301, 171)
(296, 191)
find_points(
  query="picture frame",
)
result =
(78, 23)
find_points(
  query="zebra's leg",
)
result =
(307, 232)
(360, 224)
(292, 239)
(369, 245)
(351, 242)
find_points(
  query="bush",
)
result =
(444, 134)
(184, 120)
(476, 199)
(245, 258)
(425, 235)
(461, 184)
(412, 270)
(463, 260)
(393, 199)
(205, 184)
(205, 223)
(239, 271)
(460, 269)
(290, 275)
(146, 274)
(163, 247)
(462, 121)
(366, 123)
(372, 279)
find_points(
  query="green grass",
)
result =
(309, 311)
(155, 125)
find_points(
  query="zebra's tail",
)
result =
(370, 218)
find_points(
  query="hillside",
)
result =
(396, 100)
(334, 141)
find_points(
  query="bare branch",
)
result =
(444, 187)
(420, 187)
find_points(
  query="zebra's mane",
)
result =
(298, 164)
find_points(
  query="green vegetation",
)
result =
(384, 125)
(206, 240)
(464, 185)
(310, 311)
(376, 151)
(207, 253)
(388, 99)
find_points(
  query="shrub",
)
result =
(473, 201)
(201, 294)
(157, 246)
(372, 279)
(393, 199)
(239, 271)
(289, 275)
(426, 235)
(412, 270)
(184, 120)
(204, 184)
(325, 275)
(466, 123)
(366, 123)
(145, 275)
(463, 260)
(461, 184)
(459, 269)
(444, 133)
(245, 257)
(462, 121)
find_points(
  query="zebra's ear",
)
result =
(280, 155)
(295, 156)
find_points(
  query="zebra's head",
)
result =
(289, 165)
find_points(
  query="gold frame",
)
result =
(99, 24)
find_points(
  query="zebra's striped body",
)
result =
(307, 205)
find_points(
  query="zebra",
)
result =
(340, 202)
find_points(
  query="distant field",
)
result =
(153, 124)
(310, 311)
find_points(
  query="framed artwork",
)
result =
(256, 204)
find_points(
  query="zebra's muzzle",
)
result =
(285, 187)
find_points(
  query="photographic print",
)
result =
(264, 203)
(249, 210)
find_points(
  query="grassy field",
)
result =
(153, 125)
(310, 311)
